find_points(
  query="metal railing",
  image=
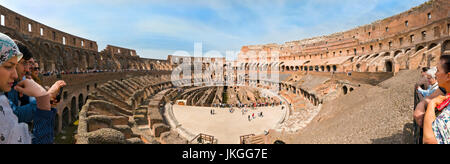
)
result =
(203, 139)
(245, 137)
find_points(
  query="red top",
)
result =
(444, 104)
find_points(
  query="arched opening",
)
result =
(56, 128)
(407, 50)
(334, 68)
(316, 68)
(297, 68)
(65, 118)
(389, 66)
(397, 53)
(419, 48)
(345, 90)
(446, 47)
(376, 55)
(279, 142)
(328, 68)
(358, 67)
(65, 95)
(87, 88)
(351, 89)
(322, 68)
(73, 107)
(432, 45)
(80, 102)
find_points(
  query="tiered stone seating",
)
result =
(124, 107)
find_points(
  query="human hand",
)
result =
(53, 91)
(30, 88)
(439, 99)
(53, 102)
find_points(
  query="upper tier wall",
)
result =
(413, 24)
(31, 28)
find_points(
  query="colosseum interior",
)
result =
(327, 89)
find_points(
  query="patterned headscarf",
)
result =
(8, 49)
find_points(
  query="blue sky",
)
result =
(157, 28)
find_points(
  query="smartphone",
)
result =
(58, 97)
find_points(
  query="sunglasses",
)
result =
(36, 68)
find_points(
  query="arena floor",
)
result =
(225, 126)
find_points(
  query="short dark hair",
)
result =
(27, 55)
(425, 69)
(445, 59)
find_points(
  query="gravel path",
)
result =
(371, 114)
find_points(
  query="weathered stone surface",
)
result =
(105, 136)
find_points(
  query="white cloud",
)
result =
(187, 30)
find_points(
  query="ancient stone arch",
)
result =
(446, 47)
(73, 108)
(80, 101)
(152, 66)
(431, 46)
(65, 117)
(77, 60)
(345, 90)
(419, 48)
(67, 59)
(54, 60)
(396, 53)
(407, 50)
(56, 127)
(389, 66)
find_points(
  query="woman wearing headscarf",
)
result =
(11, 131)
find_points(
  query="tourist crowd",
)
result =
(27, 110)
(432, 113)
(57, 72)
(248, 105)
